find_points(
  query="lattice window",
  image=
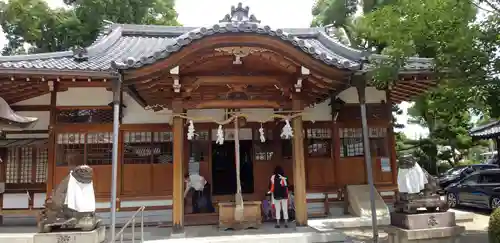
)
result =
(42, 159)
(26, 165)
(351, 142)
(199, 147)
(319, 142)
(148, 147)
(12, 166)
(263, 151)
(86, 116)
(378, 142)
(99, 148)
(74, 149)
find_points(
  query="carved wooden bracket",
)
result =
(51, 85)
(175, 75)
(304, 73)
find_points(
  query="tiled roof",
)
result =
(124, 46)
(490, 130)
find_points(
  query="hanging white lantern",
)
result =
(262, 136)
(190, 134)
(220, 136)
(287, 131)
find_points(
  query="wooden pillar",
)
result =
(51, 153)
(335, 110)
(178, 184)
(391, 139)
(299, 169)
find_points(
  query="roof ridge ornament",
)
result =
(80, 54)
(239, 14)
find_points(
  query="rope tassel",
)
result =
(190, 134)
(262, 136)
(287, 131)
(220, 136)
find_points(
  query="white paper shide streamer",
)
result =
(287, 131)
(220, 136)
(262, 136)
(190, 134)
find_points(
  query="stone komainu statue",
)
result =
(57, 214)
(427, 196)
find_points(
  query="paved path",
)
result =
(476, 231)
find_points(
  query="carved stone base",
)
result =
(434, 235)
(95, 236)
(423, 221)
(411, 203)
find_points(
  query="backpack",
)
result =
(280, 191)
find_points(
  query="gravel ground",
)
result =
(476, 231)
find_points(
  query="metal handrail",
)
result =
(131, 221)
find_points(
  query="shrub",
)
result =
(494, 227)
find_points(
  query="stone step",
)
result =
(309, 237)
(17, 237)
(128, 236)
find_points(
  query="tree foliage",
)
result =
(45, 29)
(463, 44)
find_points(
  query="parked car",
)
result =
(458, 173)
(480, 189)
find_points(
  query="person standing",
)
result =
(201, 190)
(279, 192)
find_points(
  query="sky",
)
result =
(275, 13)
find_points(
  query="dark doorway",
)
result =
(224, 168)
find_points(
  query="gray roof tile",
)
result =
(489, 130)
(124, 46)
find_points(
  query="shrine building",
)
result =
(168, 76)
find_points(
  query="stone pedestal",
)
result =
(94, 236)
(426, 227)
(423, 220)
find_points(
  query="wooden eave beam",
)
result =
(238, 104)
(135, 95)
(414, 88)
(30, 107)
(53, 73)
(408, 92)
(216, 41)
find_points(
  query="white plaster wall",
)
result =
(320, 112)
(136, 114)
(43, 119)
(373, 95)
(15, 200)
(94, 96)
(258, 115)
(39, 100)
(208, 115)
(27, 136)
(244, 134)
(39, 200)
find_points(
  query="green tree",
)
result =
(469, 64)
(342, 14)
(44, 29)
